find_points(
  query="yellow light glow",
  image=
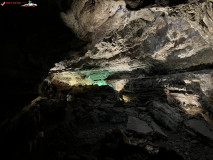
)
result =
(68, 79)
(126, 98)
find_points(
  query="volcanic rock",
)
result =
(169, 117)
(138, 126)
(200, 127)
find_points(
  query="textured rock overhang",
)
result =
(152, 40)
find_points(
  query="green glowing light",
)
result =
(96, 76)
(85, 77)
(100, 83)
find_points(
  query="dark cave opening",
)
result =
(32, 42)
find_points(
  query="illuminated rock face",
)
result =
(163, 38)
(150, 42)
(86, 77)
(148, 32)
(147, 41)
(87, 19)
(127, 45)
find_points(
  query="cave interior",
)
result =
(107, 80)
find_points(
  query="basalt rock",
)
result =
(167, 116)
(201, 128)
(136, 125)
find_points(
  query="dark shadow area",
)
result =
(85, 128)
(142, 5)
(144, 90)
(89, 129)
(32, 40)
(157, 3)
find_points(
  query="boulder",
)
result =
(164, 114)
(136, 125)
(201, 128)
(157, 130)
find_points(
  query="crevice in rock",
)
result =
(151, 3)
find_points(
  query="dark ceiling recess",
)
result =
(176, 2)
(148, 3)
(65, 5)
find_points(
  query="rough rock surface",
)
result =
(168, 116)
(159, 60)
(200, 127)
(136, 125)
(85, 18)
(163, 39)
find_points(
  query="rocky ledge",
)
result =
(155, 117)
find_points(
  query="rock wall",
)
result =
(166, 35)
(147, 70)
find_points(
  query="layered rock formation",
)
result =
(155, 58)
